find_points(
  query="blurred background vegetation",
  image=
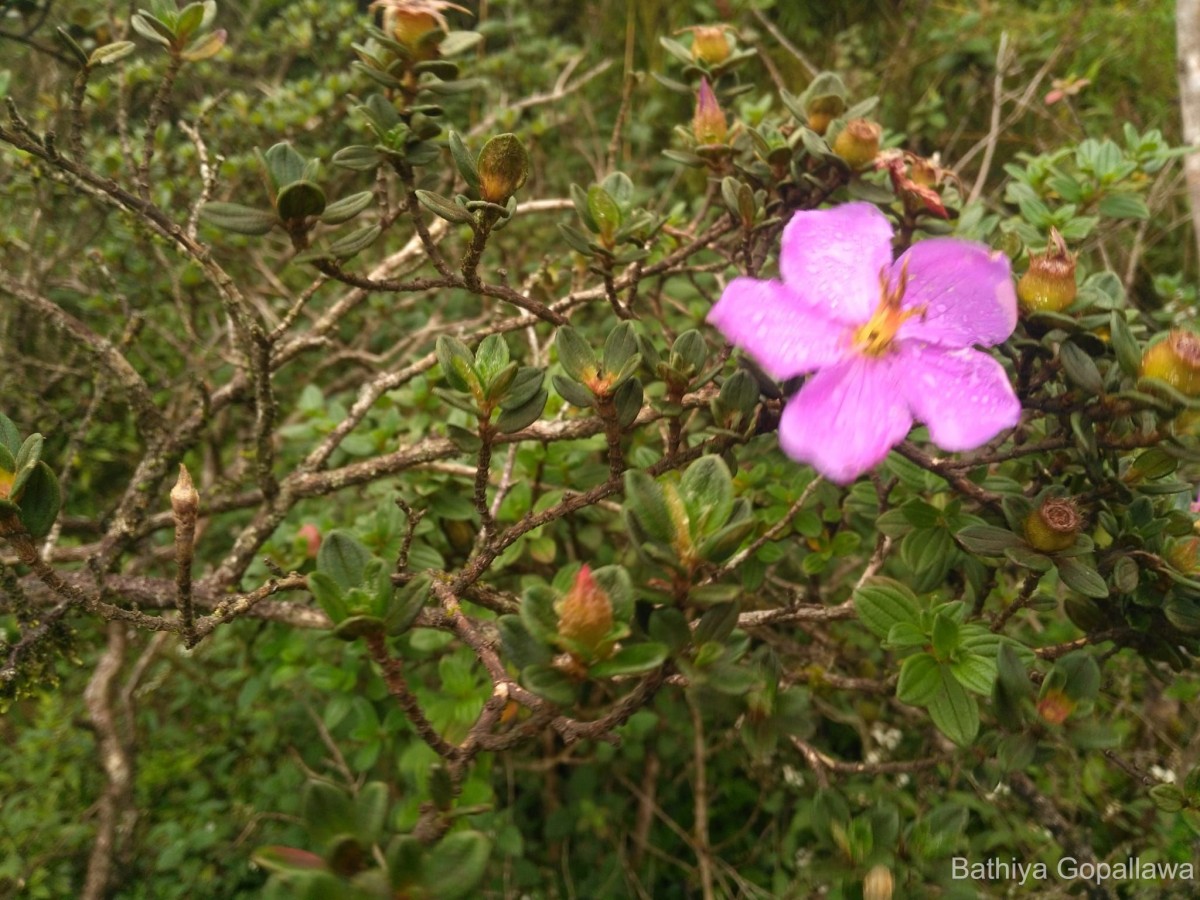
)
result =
(227, 733)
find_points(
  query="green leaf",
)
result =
(10, 437)
(1081, 577)
(1123, 206)
(355, 242)
(347, 208)
(238, 218)
(205, 47)
(515, 418)
(987, 540)
(645, 501)
(632, 659)
(1168, 798)
(975, 673)
(576, 356)
(1080, 368)
(464, 161)
(456, 865)
(406, 603)
(40, 500)
(1129, 354)
(707, 491)
(457, 362)
(344, 558)
(537, 613)
(573, 392)
(604, 211)
(954, 711)
(446, 209)
(1151, 464)
(920, 678)
(329, 596)
(945, 636)
(299, 200)
(1182, 612)
(111, 53)
(882, 602)
(64, 37)
(549, 683)
(490, 357)
(284, 165)
(328, 811)
(287, 859)
(29, 454)
(521, 649)
(151, 28)
(357, 158)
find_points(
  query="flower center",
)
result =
(875, 337)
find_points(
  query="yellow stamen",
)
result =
(876, 336)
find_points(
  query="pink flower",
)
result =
(1196, 505)
(889, 342)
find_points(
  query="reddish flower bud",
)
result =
(585, 616)
(1175, 361)
(1053, 526)
(708, 125)
(312, 539)
(858, 143)
(1049, 283)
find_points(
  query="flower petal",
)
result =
(846, 418)
(833, 257)
(963, 396)
(785, 336)
(966, 290)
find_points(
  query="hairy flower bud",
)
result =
(710, 46)
(503, 166)
(708, 125)
(1049, 283)
(585, 615)
(1175, 361)
(858, 143)
(1054, 525)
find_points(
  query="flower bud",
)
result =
(879, 884)
(1049, 283)
(311, 535)
(1175, 361)
(821, 114)
(858, 143)
(708, 125)
(411, 21)
(503, 166)
(1053, 526)
(185, 500)
(585, 616)
(710, 46)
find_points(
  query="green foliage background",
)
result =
(229, 734)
